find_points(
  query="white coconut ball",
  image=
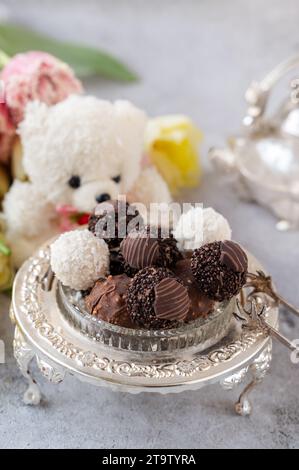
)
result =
(199, 226)
(79, 259)
(215, 226)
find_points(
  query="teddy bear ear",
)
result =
(36, 114)
(131, 132)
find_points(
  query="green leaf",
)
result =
(4, 249)
(4, 59)
(86, 61)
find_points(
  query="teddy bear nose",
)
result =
(103, 197)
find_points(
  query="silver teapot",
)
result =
(264, 158)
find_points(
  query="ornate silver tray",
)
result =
(42, 332)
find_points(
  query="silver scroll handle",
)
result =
(253, 316)
(257, 95)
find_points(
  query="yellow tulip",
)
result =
(172, 146)
(6, 271)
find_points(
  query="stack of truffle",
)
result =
(151, 283)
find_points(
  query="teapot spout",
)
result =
(223, 159)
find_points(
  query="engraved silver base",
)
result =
(42, 333)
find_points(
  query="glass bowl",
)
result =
(202, 333)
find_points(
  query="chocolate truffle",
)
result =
(220, 269)
(116, 262)
(118, 265)
(110, 221)
(107, 300)
(200, 305)
(157, 299)
(146, 248)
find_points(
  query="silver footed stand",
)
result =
(24, 355)
(41, 332)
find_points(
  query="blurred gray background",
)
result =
(193, 57)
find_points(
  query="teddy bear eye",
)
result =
(74, 182)
(117, 179)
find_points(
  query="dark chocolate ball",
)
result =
(220, 269)
(157, 299)
(110, 221)
(116, 262)
(118, 265)
(107, 300)
(200, 305)
(147, 247)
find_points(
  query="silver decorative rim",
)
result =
(27, 307)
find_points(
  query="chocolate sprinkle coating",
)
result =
(200, 305)
(217, 277)
(106, 217)
(116, 264)
(142, 295)
(141, 249)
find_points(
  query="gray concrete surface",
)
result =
(195, 57)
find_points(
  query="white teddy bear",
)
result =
(78, 152)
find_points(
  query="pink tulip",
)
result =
(36, 76)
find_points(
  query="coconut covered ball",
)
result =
(199, 226)
(79, 259)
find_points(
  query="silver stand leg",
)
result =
(243, 406)
(258, 369)
(24, 355)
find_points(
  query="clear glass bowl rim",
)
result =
(185, 328)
